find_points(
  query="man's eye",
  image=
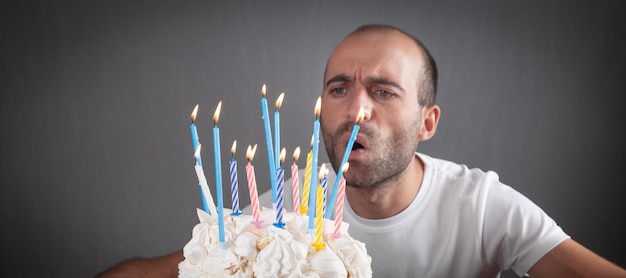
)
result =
(383, 93)
(338, 91)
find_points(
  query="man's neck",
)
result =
(389, 198)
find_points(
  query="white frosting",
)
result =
(269, 251)
(353, 255)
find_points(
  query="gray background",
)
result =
(96, 158)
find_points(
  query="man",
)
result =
(417, 215)
(421, 216)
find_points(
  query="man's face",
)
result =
(379, 72)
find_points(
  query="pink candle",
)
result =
(340, 197)
(254, 195)
(295, 188)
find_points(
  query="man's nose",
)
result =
(360, 100)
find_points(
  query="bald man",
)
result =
(419, 216)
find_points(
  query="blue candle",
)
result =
(195, 142)
(234, 181)
(346, 155)
(280, 190)
(218, 173)
(313, 185)
(270, 149)
(279, 102)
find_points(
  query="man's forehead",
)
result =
(373, 45)
(371, 64)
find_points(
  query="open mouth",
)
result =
(357, 146)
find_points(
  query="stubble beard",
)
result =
(387, 157)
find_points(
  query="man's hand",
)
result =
(164, 266)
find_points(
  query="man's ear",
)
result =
(430, 120)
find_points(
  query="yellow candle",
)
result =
(319, 242)
(306, 187)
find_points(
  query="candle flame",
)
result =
(194, 113)
(296, 153)
(197, 153)
(312, 137)
(250, 152)
(233, 149)
(361, 115)
(345, 167)
(263, 90)
(323, 172)
(216, 116)
(318, 106)
(279, 100)
(283, 153)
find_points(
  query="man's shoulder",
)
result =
(445, 174)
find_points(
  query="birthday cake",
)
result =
(264, 250)
(270, 242)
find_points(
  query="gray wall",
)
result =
(96, 160)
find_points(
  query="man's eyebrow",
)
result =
(339, 78)
(384, 81)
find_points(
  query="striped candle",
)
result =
(319, 242)
(234, 181)
(324, 182)
(280, 193)
(295, 187)
(306, 186)
(204, 186)
(254, 195)
(340, 198)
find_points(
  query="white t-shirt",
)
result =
(463, 223)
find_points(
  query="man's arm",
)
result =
(164, 266)
(571, 259)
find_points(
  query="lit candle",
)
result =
(218, 173)
(306, 186)
(295, 187)
(280, 192)
(344, 160)
(234, 181)
(204, 186)
(195, 142)
(279, 102)
(270, 149)
(319, 243)
(194, 135)
(254, 195)
(324, 182)
(316, 141)
(340, 197)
